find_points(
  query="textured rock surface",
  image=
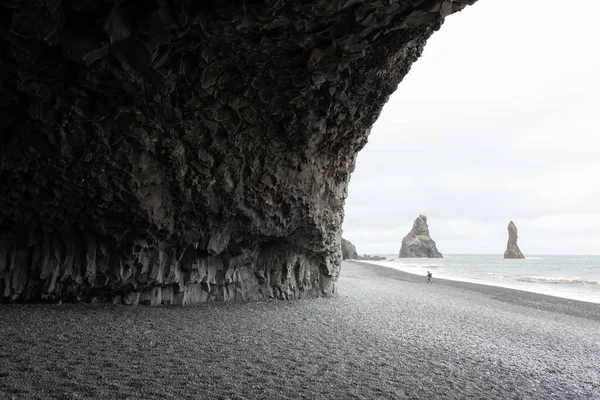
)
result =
(418, 243)
(512, 249)
(348, 250)
(175, 151)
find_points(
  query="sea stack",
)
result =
(418, 243)
(348, 250)
(512, 249)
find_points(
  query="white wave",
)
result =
(496, 275)
(424, 266)
(558, 281)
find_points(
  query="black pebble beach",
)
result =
(388, 335)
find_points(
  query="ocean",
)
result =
(571, 277)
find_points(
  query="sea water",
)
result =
(572, 277)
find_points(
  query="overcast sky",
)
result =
(498, 120)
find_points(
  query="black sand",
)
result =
(388, 335)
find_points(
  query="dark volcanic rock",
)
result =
(348, 250)
(512, 249)
(418, 243)
(178, 151)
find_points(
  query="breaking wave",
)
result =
(558, 281)
(424, 266)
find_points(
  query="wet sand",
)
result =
(387, 335)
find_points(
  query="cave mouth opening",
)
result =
(487, 138)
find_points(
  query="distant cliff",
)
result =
(348, 250)
(512, 249)
(418, 243)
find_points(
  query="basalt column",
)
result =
(178, 151)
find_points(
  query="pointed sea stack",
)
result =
(348, 250)
(512, 249)
(418, 243)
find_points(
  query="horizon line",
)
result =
(493, 254)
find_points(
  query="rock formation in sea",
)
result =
(182, 151)
(348, 250)
(418, 243)
(512, 249)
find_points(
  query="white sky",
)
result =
(499, 120)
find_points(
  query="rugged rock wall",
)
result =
(176, 151)
(418, 243)
(348, 250)
(512, 249)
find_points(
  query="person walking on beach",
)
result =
(429, 275)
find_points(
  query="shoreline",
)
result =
(543, 289)
(525, 298)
